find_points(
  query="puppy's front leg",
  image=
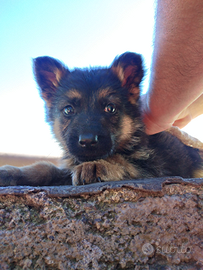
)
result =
(114, 168)
(38, 174)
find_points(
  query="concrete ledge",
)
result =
(142, 224)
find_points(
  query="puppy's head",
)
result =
(94, 113)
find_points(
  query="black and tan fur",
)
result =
(95, 115)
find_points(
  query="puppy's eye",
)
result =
(110, 108)
(68, 110)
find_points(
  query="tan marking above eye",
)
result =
(104, 92)
(73, 93)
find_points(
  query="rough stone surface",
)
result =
(148, 224)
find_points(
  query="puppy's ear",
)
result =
(48, 73)
(128, 68)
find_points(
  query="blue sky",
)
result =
(80, 33)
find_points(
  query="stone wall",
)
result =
(146, 224)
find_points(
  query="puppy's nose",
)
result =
(88, 140)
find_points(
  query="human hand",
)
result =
(192, 111)
(154, 125)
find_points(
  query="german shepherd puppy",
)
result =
(95, 114)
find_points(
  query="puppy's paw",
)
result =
(89, 172)
(9, 175)
(114, 168)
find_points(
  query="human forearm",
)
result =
(177, 66)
